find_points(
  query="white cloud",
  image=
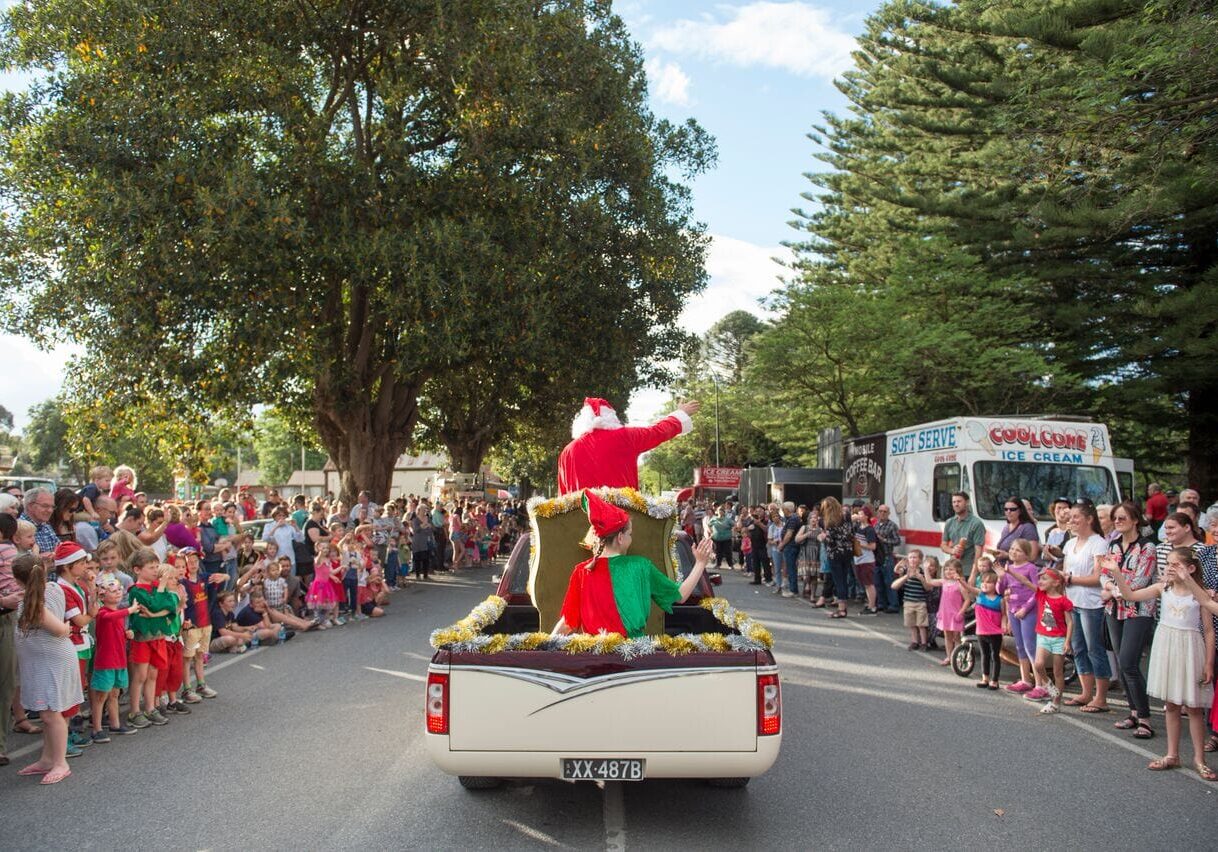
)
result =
(32, 375)
(669, 84)
(796, 37)
(740, 273)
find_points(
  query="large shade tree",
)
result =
(323, 205)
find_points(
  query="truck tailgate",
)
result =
(606, 708)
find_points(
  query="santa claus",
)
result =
(603, 452)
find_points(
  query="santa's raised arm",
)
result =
(603, 452)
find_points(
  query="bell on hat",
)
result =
(68, 552)
(606, 519)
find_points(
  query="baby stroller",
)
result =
(968, 652)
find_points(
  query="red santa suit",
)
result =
(604, 453)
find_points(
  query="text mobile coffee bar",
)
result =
(915, 470)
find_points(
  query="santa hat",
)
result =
(606, 519)
(68, 552)
(597, 413)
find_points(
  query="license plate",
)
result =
(601, 769)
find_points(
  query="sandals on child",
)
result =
(1206, 773)
(1159, 764)
(1144, 731)
(1211, 744)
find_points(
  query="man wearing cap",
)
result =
(603, 452)
(613, 592)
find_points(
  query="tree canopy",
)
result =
(1019, 218)
(344, 209)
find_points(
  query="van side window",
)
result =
(947, 481)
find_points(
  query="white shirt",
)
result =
(1078, 559)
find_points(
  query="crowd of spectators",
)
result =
(1120, 590)
(110, 598)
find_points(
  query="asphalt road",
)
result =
(318, 744)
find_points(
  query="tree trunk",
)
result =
(1202, 464)
(466, 456)
(365, 440)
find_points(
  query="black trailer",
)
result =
(801, 485)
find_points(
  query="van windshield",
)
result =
(1041, 483)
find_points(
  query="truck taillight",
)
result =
(769, 705)
(437, 703)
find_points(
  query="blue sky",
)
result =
(756, 75)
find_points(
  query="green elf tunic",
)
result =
(615, 594)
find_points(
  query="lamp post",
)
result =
(715, 379)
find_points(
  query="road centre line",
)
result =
(614, 814)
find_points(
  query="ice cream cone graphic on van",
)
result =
(978, 433)
(1098, 444)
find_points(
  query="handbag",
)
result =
(858, 548)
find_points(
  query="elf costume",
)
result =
(604, 453)
(614, 594)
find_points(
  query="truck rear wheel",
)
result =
(728, 783)
(475, 782)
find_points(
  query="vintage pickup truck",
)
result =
(698, 697)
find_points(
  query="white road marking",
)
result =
(403, 675)
(234, 658)
(614, 811)
(1107, 737)
(531, 833)
(256, 666)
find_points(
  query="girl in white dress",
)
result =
(1181, 657)
(50, 677)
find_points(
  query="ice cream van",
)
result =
(916, 470)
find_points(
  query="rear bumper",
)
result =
(668, 764)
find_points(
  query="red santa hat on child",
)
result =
(597, 413)
(606, 519)
(68, 552)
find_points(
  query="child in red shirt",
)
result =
(1054, 629)
(372, 595)
(109, 660)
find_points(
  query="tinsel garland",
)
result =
(626, 498)
(466, 636)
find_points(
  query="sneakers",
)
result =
(99, 737)
(80, 739)
(139, 720)
(178, 707)
(74, 751)
(191, 697)
(869, 611)
(206, 691)
(1036, 694)
(1050, 708)
(156, 717)
(1019, 687)
(913, 646)
(123, 730)
(787, 593)
(238, 649)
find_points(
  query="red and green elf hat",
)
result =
(606, 519)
